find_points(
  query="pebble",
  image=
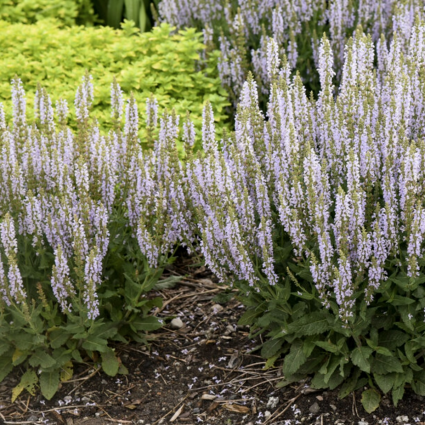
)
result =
(267, 414)
(176, 323)
(229, 330)
(319, 397)
(196, 410)
(314, 408)
(401, 419)
(67, 399)
(216, 308)
(363, 423)
(333, 407)
(86, 400)
(33, 418)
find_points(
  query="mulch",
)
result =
(207, 372)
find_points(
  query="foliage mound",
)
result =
(88, 223)
(317, 212)
(66, 12)
(159, 62)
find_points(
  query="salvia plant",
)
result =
(242, 29)
(88, 223)
(315, 210)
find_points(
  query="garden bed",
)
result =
(204, 370)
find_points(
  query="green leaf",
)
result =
(42, 359)
(271, 347)
(248, 317)
(311, 324)
(150, 323)
(6, 366)
(360, 356)
(384, 364)
(392, 339)
(350, 385)
(397, 394)
(328, 346)
(418, 384)
(110, 363)
(58, 337)
(115, 12)
(385, 382)
(49, 383)
(370, 400)
(95, 344)
(295, 359)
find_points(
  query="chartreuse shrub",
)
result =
(317, 213)
(66, 12)
(88, 222)
(157, 62)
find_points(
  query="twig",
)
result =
(86, 379)
(121, 393)
(171, 411)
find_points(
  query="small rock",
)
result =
(97, 414)
(267, 414)
(86, 400)
(401, 419)
(176, 323)
(229, 330)
(363, 423)
(141, 421)
(67, 399)
(33, 418)
(196, 410)
(216, 308)
(333, 407)
(319, 397)
(314, 408)
(104, 382)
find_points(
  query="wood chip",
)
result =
(208, 397)
(237, 408)
(177, 414)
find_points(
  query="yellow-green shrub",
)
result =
(67, 12)
(158, 62)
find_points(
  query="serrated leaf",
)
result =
(350, 385)
(383, 365)
(310, 324)
(392, 339)
(370, 400)
(28, 381)
(49, 383)
(110, 363)
(6, 367)
(42, 359)
(385, 382)
(397, 394)
(271, 347)
(58, 337)
(295, 359)
(360, 356)
(328, 346)
(150, 323)
(95, 344)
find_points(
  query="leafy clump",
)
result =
(317, 213)
(157, 62)
(88, 223)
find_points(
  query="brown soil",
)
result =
(203, 373)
